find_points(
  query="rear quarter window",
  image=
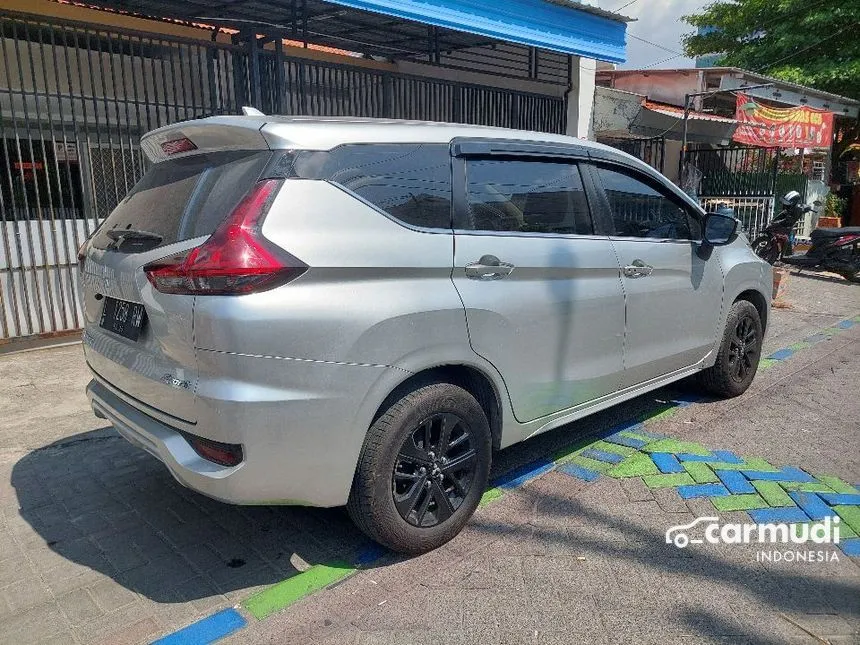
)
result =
(410, 182)
(184, 198)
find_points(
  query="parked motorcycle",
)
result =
(833, 249)
(775, 239)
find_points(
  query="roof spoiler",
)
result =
(213, 134)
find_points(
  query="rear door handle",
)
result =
(489, 267)
(637, 269)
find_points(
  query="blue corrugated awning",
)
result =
(558, 26)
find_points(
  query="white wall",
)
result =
(580, 100)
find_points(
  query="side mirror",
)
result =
(719, 229)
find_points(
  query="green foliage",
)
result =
(809, 42)
(833, 206)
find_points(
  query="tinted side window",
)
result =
(410, 182)
(640, 210)
(526, 196)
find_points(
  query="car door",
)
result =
(673, 286)
(542, 293)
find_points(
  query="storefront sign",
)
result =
(66, 151)
(798, 127)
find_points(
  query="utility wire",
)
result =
(671, 51)
(624, 6)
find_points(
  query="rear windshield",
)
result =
(181, 199)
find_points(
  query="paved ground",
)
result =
(98, 544)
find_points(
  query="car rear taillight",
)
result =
(846, 239)
(224, 454)
(235, 260)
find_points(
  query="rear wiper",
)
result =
(121, 236)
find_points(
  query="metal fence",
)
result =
(75, 99)
(651, 151)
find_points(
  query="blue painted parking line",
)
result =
(735, 482)
(812, 505)
(520, 476)
(683, 456)
(786, 515)
(851, 547)
(728, 457)
(207, 630)
(781, 354)
(667, 463)
(369, 554)
(579, 472)
(787, 474)
(846, 324)
(630, 442)
(841, 499)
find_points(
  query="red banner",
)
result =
(798, 127)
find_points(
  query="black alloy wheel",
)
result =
(434, 470)
(743, 349)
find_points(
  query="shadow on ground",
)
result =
(99, 502)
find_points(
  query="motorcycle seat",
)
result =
(835, 232)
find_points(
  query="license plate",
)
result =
(124, 318)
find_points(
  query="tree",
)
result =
(808, 42)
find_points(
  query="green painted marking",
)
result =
(675, 446)
(757, 463)
(700, 472)
(285, 593)
(773, 493)
(636, 465)
(662, 415)
(837, 484)
(856, 319)
(669, 480)
(806, 488)
(831, 331)
(766, 363)
(614, 448)
(739, 502)
(573, 449)
(591, 464)
(490, 496)
(850, 515)
(801, 345)
(632, 434)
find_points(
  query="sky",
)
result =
(658, 21)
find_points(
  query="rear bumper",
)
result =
(168, 446)
(299, 425)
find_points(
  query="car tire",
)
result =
(742, 340)
(389, 478)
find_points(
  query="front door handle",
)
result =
(489, 267)
(637, 269)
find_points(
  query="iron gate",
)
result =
(75, 99)
(750, 180)
(651, 151)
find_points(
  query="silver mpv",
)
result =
(346, 311)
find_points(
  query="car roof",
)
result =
(326, 133)
(329, 132)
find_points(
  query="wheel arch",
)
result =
(759, 301)
(470, 378)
